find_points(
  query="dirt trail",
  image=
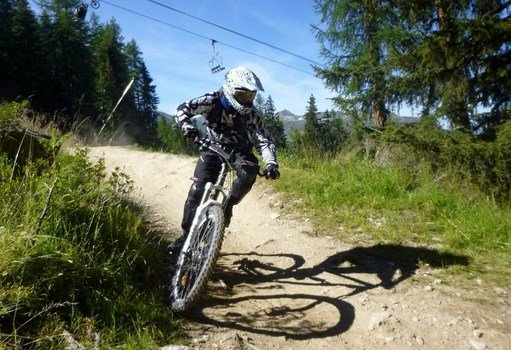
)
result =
(278, 288)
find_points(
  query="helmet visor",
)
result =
(244, 96)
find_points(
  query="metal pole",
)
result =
(118, 102)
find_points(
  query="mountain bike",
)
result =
(201, 248)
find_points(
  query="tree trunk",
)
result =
(377, 103)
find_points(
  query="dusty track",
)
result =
(278, 288)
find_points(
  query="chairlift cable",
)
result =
(237, 33)
(205, 37)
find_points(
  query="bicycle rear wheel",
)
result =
(197, 260)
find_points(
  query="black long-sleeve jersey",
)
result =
(227, 126)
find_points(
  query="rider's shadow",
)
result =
(390, 263)
(386, 266)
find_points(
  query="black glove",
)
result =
(190, 131)
(273, 171)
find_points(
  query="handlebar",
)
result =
(206, 144)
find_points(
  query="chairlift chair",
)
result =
(215, 64)
(81, 10)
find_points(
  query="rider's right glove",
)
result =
(190, 131)
(273, 171)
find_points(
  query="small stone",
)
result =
(377, 319)
(175, 347)
(428, 288)
(437, 282)
(479, 282)
(477, 333)
(415, 319)
(275, 216)
(477, 345)
(389, 339)
(419, 340)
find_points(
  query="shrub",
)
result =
(485, 164)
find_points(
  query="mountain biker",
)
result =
(232, 122)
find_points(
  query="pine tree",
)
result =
(463, 53)
(69, 76)
(310, 129)
(448, 57)
(26, 67)
(6, 47)
(273, 123)
(355, 44)
(330, 132)
(259, 103)
(144, 91)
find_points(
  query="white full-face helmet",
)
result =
(240, 88)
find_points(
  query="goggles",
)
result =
(244, 96)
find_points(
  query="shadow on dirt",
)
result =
(338, 277)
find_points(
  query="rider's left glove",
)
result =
(273, 171)
(190, 131)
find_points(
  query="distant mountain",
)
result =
(165, 115)
(287, 115)
(402, 119)
(293, 121)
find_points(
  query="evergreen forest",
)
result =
(74, 71)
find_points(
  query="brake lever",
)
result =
(264, 172)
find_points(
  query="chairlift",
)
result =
(81, 10)
(215, 64)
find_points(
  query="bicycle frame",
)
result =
(212, 191)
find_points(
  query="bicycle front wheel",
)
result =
(197, 260)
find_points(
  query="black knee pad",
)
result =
(240, 189)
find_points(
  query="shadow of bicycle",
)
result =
(302, 316)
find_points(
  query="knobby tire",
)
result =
(195, 265)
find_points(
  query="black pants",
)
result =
(207, 170)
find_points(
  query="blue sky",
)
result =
(179, 61)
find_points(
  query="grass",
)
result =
(361, 201)
(77, 259)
